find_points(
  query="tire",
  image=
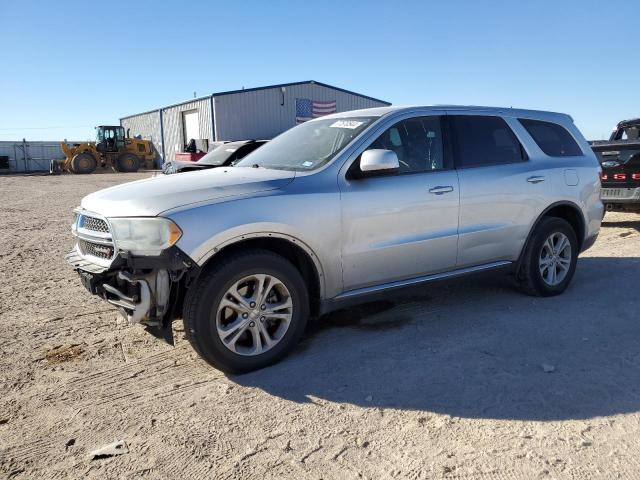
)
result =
(533, 279)
(204, 312)
(83, 163)
(55, 167)
(127, 163)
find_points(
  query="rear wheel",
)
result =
(127, 162)
(247, 312)
(550, 258)
(83, 163)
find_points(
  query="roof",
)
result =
(306, 82)
(380, 111)
(255, 89)
(629, 123)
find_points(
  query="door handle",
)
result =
(535, 179)
(441, 189)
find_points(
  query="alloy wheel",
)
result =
(254, 314)
(555, 259)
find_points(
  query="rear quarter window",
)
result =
(553, 139)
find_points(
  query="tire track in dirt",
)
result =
(152, 379)
(181, 418)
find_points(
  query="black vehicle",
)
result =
(221, 156)
(620, 160)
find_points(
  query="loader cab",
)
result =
(109, 139)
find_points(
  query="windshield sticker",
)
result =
(307, 164)
(346, 124)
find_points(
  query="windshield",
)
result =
(219, 155)
(307, 146)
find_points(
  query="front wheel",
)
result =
(550, 258)
(83, 163)
(247, 312)
(127, 162)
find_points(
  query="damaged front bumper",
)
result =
(146, 290)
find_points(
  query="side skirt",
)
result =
(360, 295)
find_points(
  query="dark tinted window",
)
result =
(417, 142)
(553, 139)
(482, 141)
(246, 150)
(228, 152)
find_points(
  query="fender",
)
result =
(295, 241)
(563, 203)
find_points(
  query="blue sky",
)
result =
(71, 65)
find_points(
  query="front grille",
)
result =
(94, 241)
(95, 249)
(94, 224)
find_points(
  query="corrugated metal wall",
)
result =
(30, 156)
(146, 125)
(173, 126)
(259, 114)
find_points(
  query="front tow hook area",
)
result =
(135, 308)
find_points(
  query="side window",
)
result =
(553, 139)
(631, 133)
(417, 142)
(251, 147)
(242, 152)
(480, 141)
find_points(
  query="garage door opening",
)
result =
(190, 126)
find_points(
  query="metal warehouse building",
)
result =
(253, 113)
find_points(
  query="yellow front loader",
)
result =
(110, 150)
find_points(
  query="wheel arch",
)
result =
(287, 246)
(566, 210)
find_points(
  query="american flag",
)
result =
(307, 109)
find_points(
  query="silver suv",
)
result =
(336, 210)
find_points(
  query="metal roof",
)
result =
(219, 94)
(254, 89)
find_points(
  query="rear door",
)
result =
(405, 224)
(501, 189)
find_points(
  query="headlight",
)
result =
(144, 236)
(74, 225)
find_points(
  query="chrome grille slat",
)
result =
(94, 239)
(95, 224)
(95, 249)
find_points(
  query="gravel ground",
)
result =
(465, 379)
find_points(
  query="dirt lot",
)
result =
(446, 383)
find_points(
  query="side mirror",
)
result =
(377, 160)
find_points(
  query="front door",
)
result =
(402, 225)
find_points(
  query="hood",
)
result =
(152, 196)
(176, 166)
(179, 163)
(195, 165)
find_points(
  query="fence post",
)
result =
(24, 155)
